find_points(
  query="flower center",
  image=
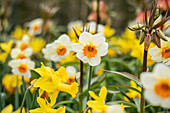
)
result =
(163, 89)
(21, 56)
(166, 53)
(23, 68)
(36, 28)
(70, 80)
(61, 50)
(23, 46)
(89, 51)
(45, 95)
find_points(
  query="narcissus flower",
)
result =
(5, 48)
(98, 105)
(9, 109)
(10, 82)
(16, 53)
(92, 27)
(49, 78)
(72, 74)
(35, 26)
(157, 85)
(90, 48)
(133, 94)
(24, 43)
(45, 107)
(161, 54)
(22, 67)
(37, 44)
(58, 49)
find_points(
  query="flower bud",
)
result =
(137, 26)
(142, 37)
(161, 35)
(147, 41)
(157, 40)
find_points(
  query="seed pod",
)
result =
(161, 35)
(157, 40)
(137, 26)
(142, 37)
(147, 41)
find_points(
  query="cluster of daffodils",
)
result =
(98, 104)
(52, 82)
(89, 49)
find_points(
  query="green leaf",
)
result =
(124, 103)
(63, 102)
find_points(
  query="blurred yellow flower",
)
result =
(9, 109)
(111, 52)
(108, 31)
(19, 33)
(10, 82)
(133, 94)
(137, 51)
(45, 107)
(37, 44)
(71, 57)
(5, 48)
(100, 71)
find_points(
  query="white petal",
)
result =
(98, 39)
(95, 60)
(70, 70)
(77, 47)
(64, 39)
(148, 80)
(85, 38)
(82, 57)
(27, 74)
(166, 103)
(55, 58)
(15, 52)
(13, 63)
(156, 54)
(28, 52)
(103, 49)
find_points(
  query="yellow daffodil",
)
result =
(45, 107)
(37, 44)
(108, 31)
(5, 48)
(90, 48)
(111, 52)
(9, 109)
(71, 57)
(133, 94)
(49, 78)
(59, 49)
(137, 52)
(157, 85)
(98, 105)
(19, 33)
(22, 67)
(100, 71)
(10, 82)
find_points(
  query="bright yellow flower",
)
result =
(108, 31)
(137, 52)
(5, 48)
(49, 78)
(100, 71)
(128, 34)
(133, 94)
(37, 44)
(112, 52)
(9, 109)
(45, 107)
(10, 82)
(19, 33)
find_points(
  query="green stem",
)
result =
(23, 101)
(16, 96)
(34, 98)
(89, 82)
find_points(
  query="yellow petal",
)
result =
(93, 95)
(53, 97)
(103, 93)
(97, 105)
(38, 110)
(42, 103)
(18, 110)
(62, 73)
(7, 109)
(61, 110)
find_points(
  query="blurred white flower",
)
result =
(90, 48)
(157, 85)
(16, 53)
(92, 26)
(24, 43)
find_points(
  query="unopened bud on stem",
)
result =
(147, 41)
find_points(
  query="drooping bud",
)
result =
(161, 35)
(142, 37)
(137, 26)
(147, 41)
(157, 40)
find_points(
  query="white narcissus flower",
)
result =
(72, 74)
(92, 26)
(59, 49)
(24, 43)
(90, 48)
(22, 67)
(35, 26)
(161, 54)
(157, 85)
(16, 53)
(115, 109)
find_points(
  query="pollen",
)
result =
(163, 89)
(89, 51)
(61, 50)
(166, 53)
(70, 80)
(22, 68)
(21, 56)
(23, 46)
